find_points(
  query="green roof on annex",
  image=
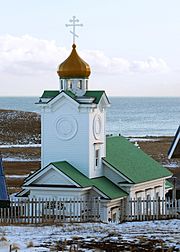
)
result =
(97, 94)
(103, 184)
(132, 162)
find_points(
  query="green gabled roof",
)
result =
(73, 173)
(71, 94)
(50, 93)
(108, 188)
(132, 162)
(95, 94)
(102, 184)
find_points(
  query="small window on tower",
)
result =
(97, 158)
(79, 85)
(69, 84)
(86, 84)
(61, 84)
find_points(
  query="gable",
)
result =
(113, 175)
(50, 96)
(72, 173)
(132, 162)
(61, 98)
(64, 105)
(53, 177)
(49, 175)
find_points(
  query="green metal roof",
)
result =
(97, 94)
(50, 93)
(132, 162)
(102, 184)
(71, 94)
(73, 173)
(108, 188)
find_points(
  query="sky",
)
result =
(132, 46)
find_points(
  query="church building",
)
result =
(77, 158)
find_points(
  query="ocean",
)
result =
(128, 116)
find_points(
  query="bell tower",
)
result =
(73, 118)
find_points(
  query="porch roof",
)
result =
(103, 184)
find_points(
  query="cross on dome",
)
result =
(74, 24)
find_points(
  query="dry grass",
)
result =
(157, 149)
(18, 168)
(20, 127)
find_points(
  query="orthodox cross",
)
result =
(74, 22)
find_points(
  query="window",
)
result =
(61, 84)
(97, 158)
(69, 84)
(79, 85)
(86, 84)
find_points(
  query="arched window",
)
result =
(62, 87)
(69, 84)
(79, 84)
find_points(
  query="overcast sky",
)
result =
(132, 46)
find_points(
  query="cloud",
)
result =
(152, 64)
(28, 55)
(101, 63)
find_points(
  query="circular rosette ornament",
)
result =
(66, 127)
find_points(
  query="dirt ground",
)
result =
(18, 127)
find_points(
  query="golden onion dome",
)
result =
(74, 66)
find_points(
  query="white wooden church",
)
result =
(77, 159)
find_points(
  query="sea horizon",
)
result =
(128, 116)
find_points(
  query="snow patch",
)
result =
(17, 176)
(19, 146)
(8, 159)
(135, 139)
(44, 237)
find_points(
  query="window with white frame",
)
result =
(62, 85)
(96, 158)
(79, 84)
(86, 84)
(69, 82)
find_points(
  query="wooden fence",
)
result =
(151, 209)
(41, 211)
(38, 211)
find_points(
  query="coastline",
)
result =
(20, 147)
